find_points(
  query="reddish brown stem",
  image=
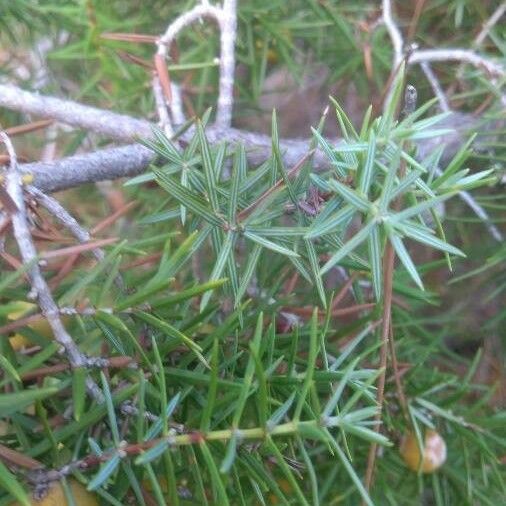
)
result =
(397, 376)
(388, 269)
(344, 290)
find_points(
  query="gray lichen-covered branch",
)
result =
(133, 159)
(39, 289)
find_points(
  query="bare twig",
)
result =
(71, 224)
(410, 96)
(228, 26)
(432, 55)
(393, 32)
(40, 289)
(65, 218)
(103, 165)
(176, 106)
(187, 18)
(112, 125)
(423, 57)
(459, 55)
(161, 107)
(478, 41)
(436, 86)
(226, 18)
(491, 22)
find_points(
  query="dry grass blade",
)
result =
(308, 311)
(130, 37)
(79, 248)
(65, 269)
(116, 362)
(344, 290)
(148, 259)
(12, 261)
(28, 127)
(18, 459)
(111, 219)
(163, 76)
(20, 323)
(131, 58)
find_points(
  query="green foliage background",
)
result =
(250, 410)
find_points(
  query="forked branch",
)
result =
(39, 288)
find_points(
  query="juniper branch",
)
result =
(131, 160)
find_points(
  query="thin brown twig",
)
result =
(397, 377)
(29, 127)
(136, 60)
(4, 223)
(388, 85)
(308, 311)
(291, 283)
(51, 237)
(130, 37)
(279, 184)
(388, 271)
(386, 323)
(141, 261)
(18, 459)
(20, 323)
(163, 76)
